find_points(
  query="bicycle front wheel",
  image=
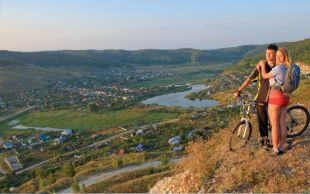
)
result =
(297, 120)
(240, 135)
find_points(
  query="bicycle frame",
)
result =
(245, 109)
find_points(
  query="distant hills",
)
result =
(26, 70)
(103, 58)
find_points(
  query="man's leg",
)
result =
(262, 119)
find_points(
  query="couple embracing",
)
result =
(273, 96)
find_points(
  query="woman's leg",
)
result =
(283, 129)
(274, 114)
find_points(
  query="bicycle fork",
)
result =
(245, 130)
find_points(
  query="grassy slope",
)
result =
(250, 169)
(25, 76)
(214, 168)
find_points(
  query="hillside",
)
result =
(19, 76)
(211, 167)
(299, 52)
(31, 70)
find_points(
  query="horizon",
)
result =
(32, 26)
(154, 48)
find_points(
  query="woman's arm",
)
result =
(264, 74)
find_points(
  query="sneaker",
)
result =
(277, 152)
(280, 152)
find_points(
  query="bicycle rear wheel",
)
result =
(240, 135)
(297, 120)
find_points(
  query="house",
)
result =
(8, 145)
(121, 152)
(31, 140)
(232, 106)
(44, 137)
(60, 140)
(66, 132)
(174, 140)
(189, 135)
(195, 117)
(13, 163)
(177, 148)
(2, 105)
(139, 131)
(139, 147)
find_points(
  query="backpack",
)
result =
(292, 78)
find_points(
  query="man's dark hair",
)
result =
(272, 47)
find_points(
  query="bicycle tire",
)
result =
(296, 126)
(235, 141)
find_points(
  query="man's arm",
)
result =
(252, 76)
(245, 84)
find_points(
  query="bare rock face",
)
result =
(180, 183)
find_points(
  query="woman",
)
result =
(278, 100)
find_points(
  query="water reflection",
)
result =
(178, 99)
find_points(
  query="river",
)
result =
(178, 99)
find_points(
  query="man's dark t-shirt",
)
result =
(263, 84)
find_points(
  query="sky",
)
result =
(37, 25)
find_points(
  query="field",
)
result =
(195, 74)
(85, 120)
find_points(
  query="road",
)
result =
(129, 131)
(6, 118)
(105, 175)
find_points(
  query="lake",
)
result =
(178, 99)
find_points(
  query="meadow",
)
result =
(104, 119)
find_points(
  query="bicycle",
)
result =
(297, 121)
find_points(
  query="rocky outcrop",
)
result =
(180, 183)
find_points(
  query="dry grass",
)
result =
(58, 185)
(250, 169)
(300, 95)
(139, 185)
(224, 97)
(29, 187)
(109, 131)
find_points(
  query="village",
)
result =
(106, 90)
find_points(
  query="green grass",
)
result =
(195, 78)
(6, 131)
(4, 113)
(85, 120)
(186, 68)
(195, 74)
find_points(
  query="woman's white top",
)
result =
(278, 72)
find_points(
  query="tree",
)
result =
(92, 107)
(117, 162)
(75, 186)
(83, 188)
(68, 169)
(50, 179)
(165, 160)
(40, 174)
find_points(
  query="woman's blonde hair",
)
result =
(284, 52)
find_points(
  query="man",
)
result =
(262, 94)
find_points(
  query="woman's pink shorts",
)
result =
(277, 97)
